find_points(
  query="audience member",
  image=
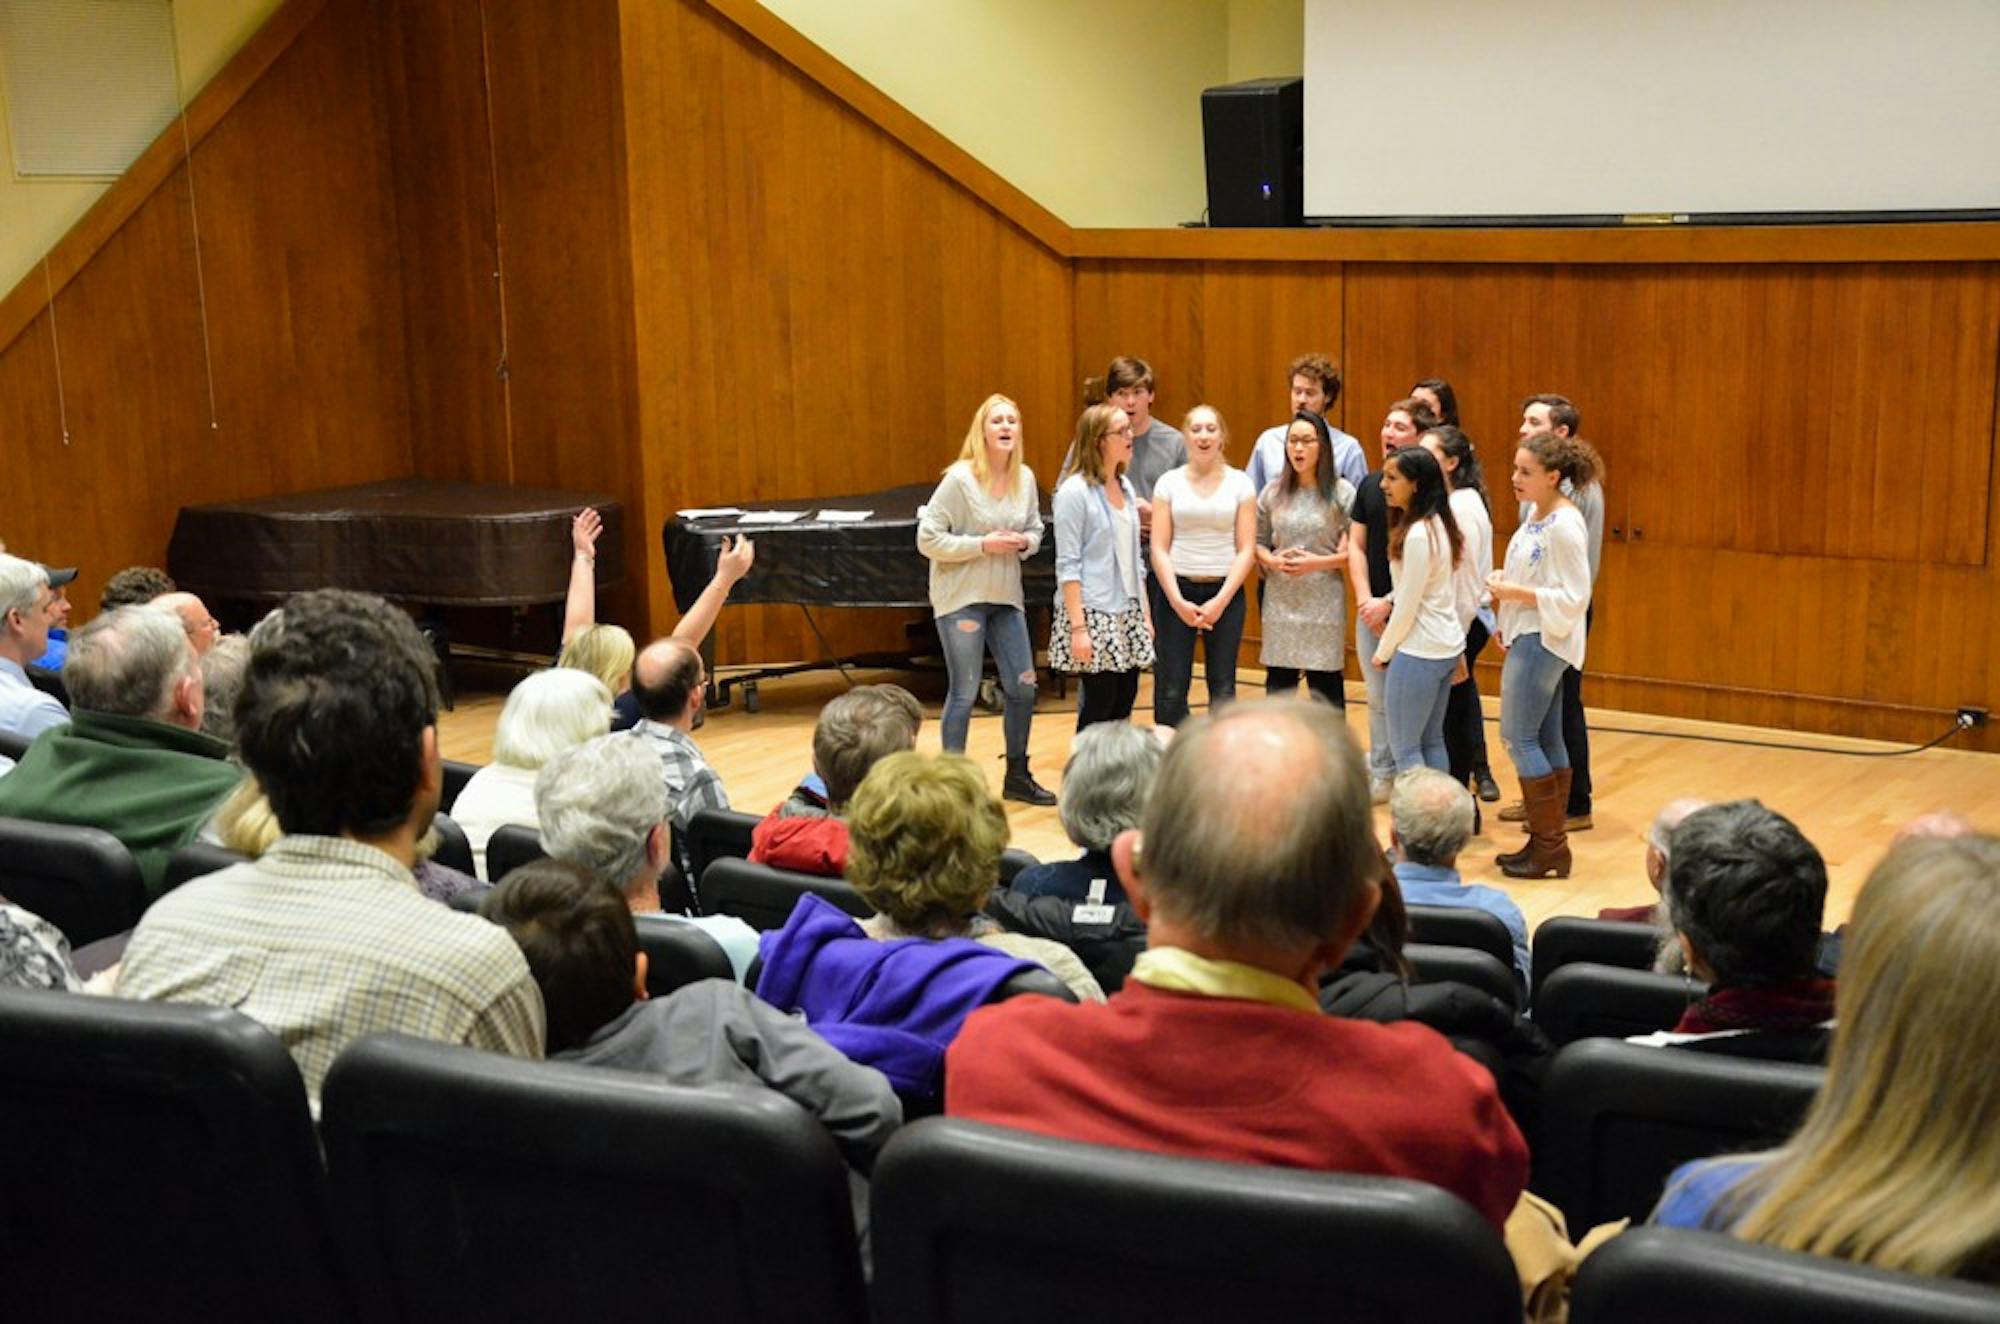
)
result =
(1104, 789)
(221, 681)
(134, 586)
(603, 809)
(46, 670)
(1659, 850)
(1251, 886)
(246, 824)
(1430, 816)
(671, 684)
(1745, 891)
(202, 629)
(808, 831)
(27, 611)
(34, 953)
(1897, 1162)
(578, 936)
(547, 713)
(133, 761)
(326, 938)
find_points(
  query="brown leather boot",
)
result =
(1548, 843)
(1515, 858)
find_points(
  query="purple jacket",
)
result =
(895, 1006)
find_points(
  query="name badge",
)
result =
(1086, 913)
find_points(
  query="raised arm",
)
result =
(580, 605)
(737, 556)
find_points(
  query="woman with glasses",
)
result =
(1103, 630)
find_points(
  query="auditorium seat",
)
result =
(477, 1186)
(1433, 964)
(1462, 926)
(453, 851)
(1565, 939)
(678, 954)
(1664, 1275)
(764, 898)
(456, 775)
(1582, 1000)
(80, 879)
(510, 847)
(197, 859)
(1012, 861)
(981, 1225)
(715, 834)
(1617, 1118)
(161, 1165)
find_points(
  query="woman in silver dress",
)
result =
(1302, 549)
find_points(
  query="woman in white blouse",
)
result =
(1422, 646)
(1464, 719)
(1204, 538)
(984, 520)
(1542, 596)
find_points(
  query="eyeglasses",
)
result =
(1118, 432)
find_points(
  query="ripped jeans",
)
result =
(966, 635)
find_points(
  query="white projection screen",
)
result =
(1567, 108)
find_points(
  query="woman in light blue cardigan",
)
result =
(1103, 630)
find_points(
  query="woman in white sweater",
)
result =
(1542, 596)
(1422, 646)
(984, 520)
(1464, 719)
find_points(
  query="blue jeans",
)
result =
(1531, 720)
(1173, 648)
(1414, 693)
(1381, 757)
(966, 635)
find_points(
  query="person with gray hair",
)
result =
(133, 760)
(1659, 843)
(27, 613)
(1105, 786)
(855, 731)
(547, 713)
(603, 808)
(221, 681)
(1430, 820)
(1256, 868)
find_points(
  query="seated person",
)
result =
(1897, 1162)
(925, 840)
(1745, 891)
(246, 824)
(856, 730)
(577, 934)
(603, 809)
(548, 712)
(134, 586)
(29, 609)
(133, 760)
(1104, 788)
(1430, 817)
(326, 939)
(33, 952)
(1258, 869)
(202, 628)
(221, 681)
(1658, 852)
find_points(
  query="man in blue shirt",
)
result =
(28, 608)
(1430, 818)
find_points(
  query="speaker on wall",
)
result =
(1253, 135)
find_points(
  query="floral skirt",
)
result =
(1118, 641)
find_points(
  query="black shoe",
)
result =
(1021, 785)
(1488, 789)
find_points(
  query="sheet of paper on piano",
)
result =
(843, 516)
(771, 516)
(709, 512)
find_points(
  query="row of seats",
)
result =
(162, 1161)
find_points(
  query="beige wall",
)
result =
(35, 213)
(1266, 39)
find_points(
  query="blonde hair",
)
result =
(605, 651)
(1086, 448)
(973, 452)
(246, 823)
(1898, 1161)
(1221, 423)
(924, 841)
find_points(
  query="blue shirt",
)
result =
(1267, 457)
(1071, 879)
(1086, 546)
(1697, 1190)
(1433, 885)
(24, 710)
(58, 651)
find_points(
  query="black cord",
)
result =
(827, 648)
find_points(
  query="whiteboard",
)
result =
(1525, 108)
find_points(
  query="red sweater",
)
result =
(1226, 1078)
(804, 845)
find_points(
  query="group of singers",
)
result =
(1156, 533)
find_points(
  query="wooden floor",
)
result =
(1848, 803)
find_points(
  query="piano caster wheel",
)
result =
(751, 703)
(989, 695)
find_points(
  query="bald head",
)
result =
(1660, 835)
(202, 628)
(666, 681)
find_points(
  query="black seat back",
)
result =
(1039, 980)
(510, 847)
(454, 851)
(974, 1224)
(717, 834)
(80, 879)
(1464, 965)
(1584, 1000)
(1617, 1118)
(485, 1187)
(764, 898)
(1664, 1275)
(1462, 926)
(1565, 939)
(678, 953)
(1012, 861)
(456, 775)
(161, 1165)
(198, 859)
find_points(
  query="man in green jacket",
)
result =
(133, 759)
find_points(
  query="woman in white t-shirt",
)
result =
(1204, 539)
(1464, 718)
(1422, 646)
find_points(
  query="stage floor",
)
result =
(1848, 806)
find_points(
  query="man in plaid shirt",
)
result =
(669, 681)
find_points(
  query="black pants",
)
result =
(1326, 684)
(1576, 736)
(1464, 721)
(1105, 696)
(1174, 641)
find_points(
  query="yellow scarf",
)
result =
(1181, 971)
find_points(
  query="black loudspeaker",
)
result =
(1254, 139)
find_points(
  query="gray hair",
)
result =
(1260, 828)
(1432, 814)
(598, 802)
(21, 582)
(1660, 835)
(549, 712)
(1107, 781)
(221, 681)
(859, 729)
(127, 662)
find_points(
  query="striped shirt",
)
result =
(691, 784)
(324, 940)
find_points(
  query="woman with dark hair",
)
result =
(1464, 719)
(1437, 395)
(1422, 647)
(1103, 631)
(1302, 548)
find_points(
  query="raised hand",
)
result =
(583, 531)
